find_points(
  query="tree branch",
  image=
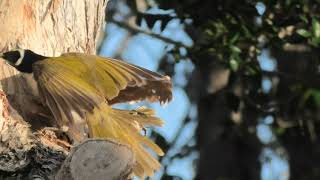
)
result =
(98, 159)
(132, 28)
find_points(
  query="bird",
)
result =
(80, 89)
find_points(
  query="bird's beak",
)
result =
(1, 56)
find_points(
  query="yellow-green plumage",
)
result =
(124, 126)
(79, 89)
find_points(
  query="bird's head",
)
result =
(21, 59)
(14, 57)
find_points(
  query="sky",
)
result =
(274, 161)
(146, 52)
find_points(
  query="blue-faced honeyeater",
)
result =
(79, 90)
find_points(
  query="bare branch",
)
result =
(135, 29)
(98, 159)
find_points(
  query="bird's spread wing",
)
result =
(123, 82)
(79, 82)
(66, 94)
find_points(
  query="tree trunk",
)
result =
(227, 149)
(48, 27)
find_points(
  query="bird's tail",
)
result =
(126, 126)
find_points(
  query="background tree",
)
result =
(256, 74)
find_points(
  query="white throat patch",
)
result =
(19, 61)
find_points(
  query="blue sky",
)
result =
(146, 51)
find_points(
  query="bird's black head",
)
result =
(22, 59)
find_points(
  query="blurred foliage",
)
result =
(232, 34)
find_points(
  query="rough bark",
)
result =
(48, 27)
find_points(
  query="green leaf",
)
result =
(304, 33)
(246, 32)
(304, 18)
(316, 28)
(314, 42)
(209, 32)
(250, 71)
(317, 98)
(234, 38)
(315, 94)
(235, 49)
(234, 65)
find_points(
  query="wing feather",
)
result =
(66, 94)
(132, 83)
(77, 83)
(148, 85)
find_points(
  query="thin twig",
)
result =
(135, 29)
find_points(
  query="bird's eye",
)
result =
(11, 57)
